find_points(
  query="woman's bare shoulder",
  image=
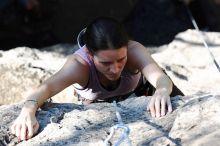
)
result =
(74, 58)
(134, 44)
(131, 63)
(138, 55)
(76, 68)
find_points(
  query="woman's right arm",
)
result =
(75, 70)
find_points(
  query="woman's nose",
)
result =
(115, 68)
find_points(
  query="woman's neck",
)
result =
(108, 84)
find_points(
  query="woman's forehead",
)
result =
(112, 53)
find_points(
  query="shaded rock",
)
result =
(154, 23)
(55, 21)
(52, 21)
(206, 13)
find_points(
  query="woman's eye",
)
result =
(106, 63)
(121, 60)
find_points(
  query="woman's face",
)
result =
(110, 63)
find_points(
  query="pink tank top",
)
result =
(94, 90)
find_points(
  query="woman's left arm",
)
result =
(142, 60)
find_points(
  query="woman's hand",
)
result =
(160, 103)
(25, 126)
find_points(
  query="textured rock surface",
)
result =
(23, 69)
(194, 121)
(188, 62)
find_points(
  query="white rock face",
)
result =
(23, 69)
(189, 64)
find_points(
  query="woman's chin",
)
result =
(113, 77)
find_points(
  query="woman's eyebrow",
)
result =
(121, 58)
(111, 61)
